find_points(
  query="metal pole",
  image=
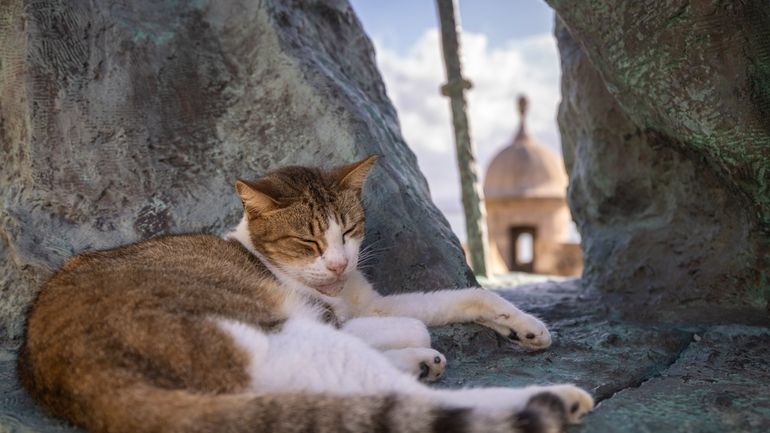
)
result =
(472, 196)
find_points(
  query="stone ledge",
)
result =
(719, 383)
(646, 378)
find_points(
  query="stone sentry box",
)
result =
(524, 192)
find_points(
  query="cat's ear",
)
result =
(353, 175)
(254, 200)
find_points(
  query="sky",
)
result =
(507, 50)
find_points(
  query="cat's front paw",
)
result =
(527, 331)
(516, 325)
(424, 363)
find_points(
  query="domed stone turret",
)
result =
(525, 168)
(527, 215)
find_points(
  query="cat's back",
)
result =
(146, 306)
(193, 253)
(194, 266)
(191, 274)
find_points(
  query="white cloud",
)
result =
(529, 66)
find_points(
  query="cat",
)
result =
(269, 329)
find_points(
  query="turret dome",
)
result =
(525, 168)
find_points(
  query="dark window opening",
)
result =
(522, 248)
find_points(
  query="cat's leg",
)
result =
(451, 306)
(389, 332)
(423, 363)
(574, 402)
(404, 341)
(304, 355)
(311, 358)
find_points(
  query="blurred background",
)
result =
(508, 50)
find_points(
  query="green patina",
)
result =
(666, 67)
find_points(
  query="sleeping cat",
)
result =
(272, 329)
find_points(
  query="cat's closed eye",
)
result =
(312, 245)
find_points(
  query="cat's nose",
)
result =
(337, 266)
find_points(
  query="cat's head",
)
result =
(308, 223)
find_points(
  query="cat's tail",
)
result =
(145, 409)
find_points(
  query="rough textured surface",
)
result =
(719, 383)
(665, 126)
(590, 349)
(647, 378)
(118, 123)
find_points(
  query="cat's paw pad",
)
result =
(521, 328)
(575, 401)
(431, 365)
(424, 363)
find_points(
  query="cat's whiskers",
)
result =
(365, 267)
(370, 249)
(369, 253)
(368, 257)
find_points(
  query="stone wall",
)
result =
(121, 122)
(665, 124)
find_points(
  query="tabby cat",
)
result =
(271, 329)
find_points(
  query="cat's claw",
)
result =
(526, 331)
(517, 326)
(532, 340)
